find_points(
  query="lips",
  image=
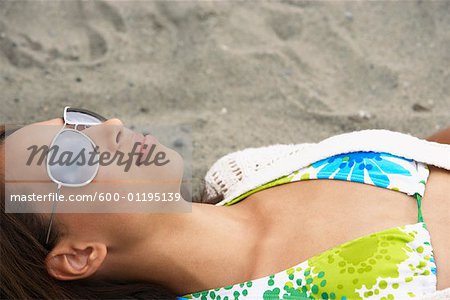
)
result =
(143, 152)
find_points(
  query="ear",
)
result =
(68, 261)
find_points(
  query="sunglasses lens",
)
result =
(69, 158)
(75, 117)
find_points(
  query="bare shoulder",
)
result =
(442, 136)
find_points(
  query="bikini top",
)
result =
(395, 263)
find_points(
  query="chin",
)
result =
(178, 163)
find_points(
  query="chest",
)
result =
(298, 220)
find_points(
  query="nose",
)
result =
(113, 121)
(107, 134)
(116, 127)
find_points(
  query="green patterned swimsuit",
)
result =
(396, 263)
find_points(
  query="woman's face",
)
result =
(111, 137)
(86, 238)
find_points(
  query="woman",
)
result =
(241, 250)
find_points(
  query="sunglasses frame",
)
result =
(63, 129)
(84, 111)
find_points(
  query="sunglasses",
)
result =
(71, 139)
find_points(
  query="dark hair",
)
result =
(23, 272)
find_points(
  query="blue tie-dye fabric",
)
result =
(352, 165)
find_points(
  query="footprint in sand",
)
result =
(286, 25)
(75, 32)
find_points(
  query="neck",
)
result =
(187, 252)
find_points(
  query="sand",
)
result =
(240, 74)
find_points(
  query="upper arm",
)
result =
(442, 136)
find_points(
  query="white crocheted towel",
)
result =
(241, 171)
